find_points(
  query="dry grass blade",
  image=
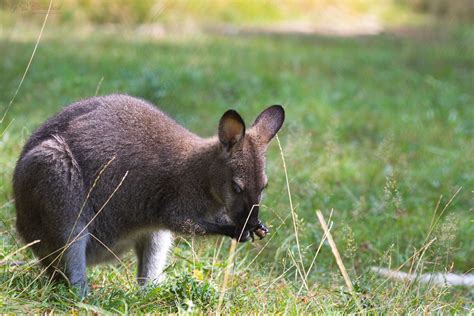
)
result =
(270, 284)
(298, 270)
(29, 62)
(317, 252)
(103, 206)
(230, 263)
(246, 221)
(319, 246)
(339, 262)
(435, 220)
(6, 128)
(422, 249)
(98, 86)
(217, 251)
(5, 259)
(96, 180)
(292, 209)
(266, 244)
(102, 170)
(127, 274)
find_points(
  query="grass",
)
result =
(378, 132)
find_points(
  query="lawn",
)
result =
(378, 135)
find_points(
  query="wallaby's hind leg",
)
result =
(152, 250)
(75, 261)
(49, 195)
(69, 262)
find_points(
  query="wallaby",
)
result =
(111, 173)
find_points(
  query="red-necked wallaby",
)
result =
(114, 172)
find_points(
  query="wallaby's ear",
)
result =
(231, 129)
(269, 122)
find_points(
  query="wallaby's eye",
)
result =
(237, 188)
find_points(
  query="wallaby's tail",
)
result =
(443, 279)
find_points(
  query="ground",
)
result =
(378, 135)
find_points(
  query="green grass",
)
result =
(379, 129)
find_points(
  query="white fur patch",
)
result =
(155, 255)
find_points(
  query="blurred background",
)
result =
(379, 97)
(157, 18)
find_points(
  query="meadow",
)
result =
(378, 136)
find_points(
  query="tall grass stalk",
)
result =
(228, 269)
(293, 213)
(339, 262)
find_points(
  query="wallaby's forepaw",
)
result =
(260, 230)
(244, 236)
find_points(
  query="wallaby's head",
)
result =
(239, 178)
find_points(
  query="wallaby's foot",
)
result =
(81, 288)
(75, 261)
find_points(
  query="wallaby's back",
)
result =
(112, 123)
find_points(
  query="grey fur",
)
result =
(175, 182)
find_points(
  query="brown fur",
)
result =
(176, 181)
